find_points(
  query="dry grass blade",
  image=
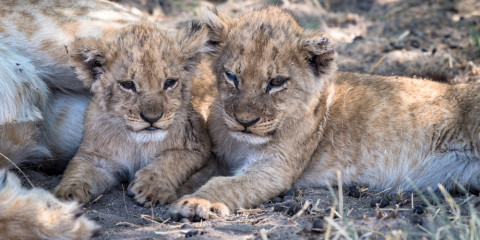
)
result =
(153, 219)
(126, 224)
(340, 230)
(376, 64)
(96, 199)
(329, 226)
(15, 165)
(449, 199)
(340, 192)
(249, 211)
(172, 232)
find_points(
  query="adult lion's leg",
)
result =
(37, 214)
(19, 143)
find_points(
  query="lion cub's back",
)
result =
(383, 129)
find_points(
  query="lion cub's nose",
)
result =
(246, 121)
(150, 118)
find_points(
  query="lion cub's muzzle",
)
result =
(246, 123)
(151, 119)
(251, 124)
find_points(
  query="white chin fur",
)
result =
(149, 136)
(249, 138)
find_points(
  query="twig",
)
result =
(172, 232)
(126, 223)
(153, 219)
(249, 211)
(340, 192)
(300, 212)
(329, 226)
(380, 60)
(125, 202)
(96, 199)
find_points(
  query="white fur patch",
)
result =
(23, 94)
(249, 138)
(149, 136)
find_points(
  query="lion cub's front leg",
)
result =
(159, 181)
(221, 195)
(84, 179)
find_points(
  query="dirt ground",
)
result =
(436, 38)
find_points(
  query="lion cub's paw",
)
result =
(191, 208)
(79, 191)
(147, 190)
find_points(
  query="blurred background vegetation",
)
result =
(438, 38)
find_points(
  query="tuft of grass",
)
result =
(186, 6)
(451, 224)
(448, 219)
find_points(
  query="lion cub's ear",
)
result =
(88, 58)
(193, 41)
(217, 26)
(318, 52)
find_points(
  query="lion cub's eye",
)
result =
(276, 83)
(232, 78)
(169, 83)
(128, 85)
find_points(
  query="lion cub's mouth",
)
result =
(151, 128)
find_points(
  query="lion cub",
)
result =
(140, 123)
(285, 118)
(37, 214)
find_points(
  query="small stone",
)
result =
(358, 38)
(415, 219)
(414, 43)
(317, 224)
(354, 192)
(289, 193)
(276, 200)
(418, 210)
(197, 219)
(382, 201)
(191, 233)
(186, 226)
(183, 220)
(278, 208)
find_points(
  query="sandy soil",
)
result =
(389, 37)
